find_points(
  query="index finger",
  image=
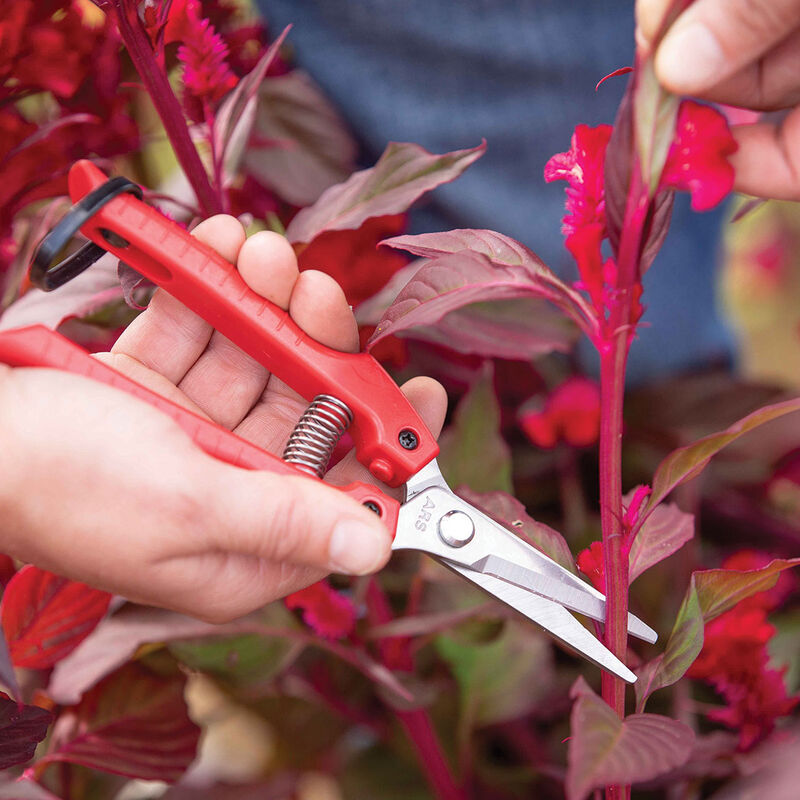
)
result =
(714, 39)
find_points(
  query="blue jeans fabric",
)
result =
(521, 73)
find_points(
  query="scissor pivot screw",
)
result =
(408, 439)
(456, 528)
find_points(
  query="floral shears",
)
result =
(346, 392)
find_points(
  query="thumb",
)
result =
(713, 39)
(295, 520)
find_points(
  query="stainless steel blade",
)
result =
(554, 618)
(436, 521)
(561, 589)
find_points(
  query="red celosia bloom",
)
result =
(590, 563)
(206, 75)
(571, 414)
(329, 613)
(582, 167)
(735, 659)
(698, 159)
(354, 258)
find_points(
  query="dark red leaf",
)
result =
(22, 727)
(45, 616)
(132, 723)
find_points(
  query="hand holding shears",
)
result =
(347, 390)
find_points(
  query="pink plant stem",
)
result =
(613, 363)
(166, 104)
(416, 723)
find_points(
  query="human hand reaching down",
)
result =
(744, 53)
(103, 488)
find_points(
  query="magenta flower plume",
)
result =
(206, 75)
(327, 612)
(582, 167)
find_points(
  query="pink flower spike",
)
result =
(631, 516)
(327, 612)
(590, 563)
(206, 75)
(698, 159)
(582, 166)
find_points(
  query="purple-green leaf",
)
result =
(508, 511)
(510, 260)
(81, 296)
(117, 639)
(665, 531)
(22, 727)
(452, 283)
(605, 750)
(689, 461)
(655, 115)
(306, 145)
(473, 452)
(618, 169)
(403, 174)
(234, 120)
(711, 592)
(499, 680)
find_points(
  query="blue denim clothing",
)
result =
(521, 73)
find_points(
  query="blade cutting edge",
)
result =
(555, 619)
(575, 595)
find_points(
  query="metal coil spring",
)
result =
(316, 434)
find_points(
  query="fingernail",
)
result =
(690, 59)
(356, 548)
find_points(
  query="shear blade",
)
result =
(554, 618)
(566, 589)
(496, 552)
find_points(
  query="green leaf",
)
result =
(498, 680)
(239, 661)
(655, 116)
(603, 749)
(689, 461)
(473, 453)
(711, 592)
(403, 174)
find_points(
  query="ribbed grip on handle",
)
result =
(37, 346)
(390, 438)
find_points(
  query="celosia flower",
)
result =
(206, 74)
(329, 613)
(571, 414)
(354, 258)
(735, 660)
(698, 158)
(590, 563)
(582, 167)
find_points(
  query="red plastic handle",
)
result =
(193, 273)
(37, 346)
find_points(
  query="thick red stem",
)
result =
(396, 655)
(613, 362)
(167, 106)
